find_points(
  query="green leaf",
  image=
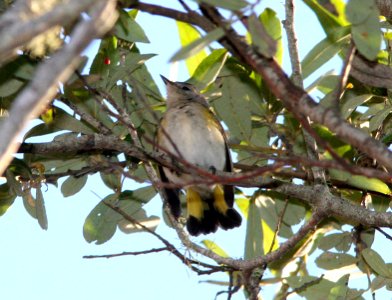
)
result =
(234, 106)
(131, 63)
(340, 291)
(375, 261)
(254, 232)
(112, 180)
(325, 84)
(323, 52)
(7, 198)
(227, 4)
(261, 39)
(107, 50)
(189, 34)
(352, 103)
(379, 118)
(128, 29)
(365, 28)
(273, 26)
(207, 71)
(10, 87)
(319, 290)
(362, 182)
(379, 282)
(198, 45)
(14, 75)
(29, 203)
(330, 23)
(72, 185)
(142, 195)
(372, 110)
(340, 241)
(331, 261)
(214, 248)
(131, 203)
(295, 213)
(61, 121)
(40, 209)
(101, 223)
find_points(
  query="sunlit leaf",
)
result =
(214, 248)
(189, 34)
(207, 71)
(340, 291)
(273, 26)
(328, 21)
(198, 45)
(362, 182)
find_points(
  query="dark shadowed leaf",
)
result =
(227, 4)
(40, 209)
(6, 198)
(214, 248)
(128, 29)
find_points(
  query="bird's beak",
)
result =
(165, 80)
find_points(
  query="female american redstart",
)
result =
(189, 130)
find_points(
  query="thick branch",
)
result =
(15, 30)
(320, 198)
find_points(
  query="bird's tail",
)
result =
(205, 215)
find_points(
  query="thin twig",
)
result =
(125, 253)
(344, 74)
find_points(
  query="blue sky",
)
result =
(39, 264)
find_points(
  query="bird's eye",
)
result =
(185, 88)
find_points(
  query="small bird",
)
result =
(190, 130)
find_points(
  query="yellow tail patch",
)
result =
(219, 200)
(195, 205)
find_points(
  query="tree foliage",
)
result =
(316, 157)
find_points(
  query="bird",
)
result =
(190, 130)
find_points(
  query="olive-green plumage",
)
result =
(189, 130)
